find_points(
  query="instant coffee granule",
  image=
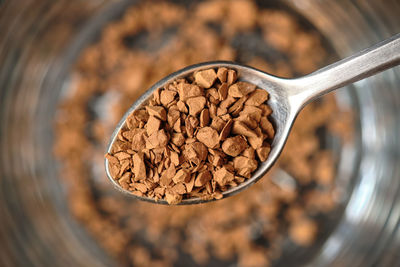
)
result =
(196, 137)
(290, 205)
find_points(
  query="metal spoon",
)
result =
(287, 97)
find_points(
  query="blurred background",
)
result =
(70, 69)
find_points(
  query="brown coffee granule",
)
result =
(303, 231)
(115, 73)
(149, 161)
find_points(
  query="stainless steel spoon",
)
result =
(287, 97)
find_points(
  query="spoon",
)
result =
(287, 98)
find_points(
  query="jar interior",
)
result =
(249, 45)
(47, 225)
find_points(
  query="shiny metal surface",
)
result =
(287, 98)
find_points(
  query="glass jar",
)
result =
(42, 39)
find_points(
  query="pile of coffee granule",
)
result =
(196, 137)
(283, 214)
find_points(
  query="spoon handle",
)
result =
(368, 62)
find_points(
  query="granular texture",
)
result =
(253, 228)
(196, 137)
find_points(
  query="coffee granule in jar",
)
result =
(196, 137)
(249, 229)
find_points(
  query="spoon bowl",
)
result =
(286, 98)
(282, 116)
